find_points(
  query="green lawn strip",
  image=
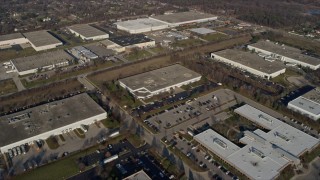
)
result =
(215, 37)
(52, 142)
(136, 55)
(110, 123)
(62, 138)
(187, 43)
(185, 159)
(7, 86)
(135, 140)
(79, 132)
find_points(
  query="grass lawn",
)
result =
(52, 142)
(64, 168)
(110, 123)
(11, 53)
(135, 140)
(158, 50)
(139, 54)
(79, 132)
(58, 77)
(215, 37)
(187, 43)
(185, 159)
(281, 79)
(7, 86)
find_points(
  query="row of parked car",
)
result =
(24, 148)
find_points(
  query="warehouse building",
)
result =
(83, 54)
(307, 104)
(42, 40)
(141, 25)
(183, 18)
(49, 119)
(87, 32)
(113, 46)
(41, 62)
(132, 41)
(9, 40)
(285, 53)
(250, 62)
(148, 84)
(265, 154)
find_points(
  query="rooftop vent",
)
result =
(220, 143)
(265, 118)
(257, 152)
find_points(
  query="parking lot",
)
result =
(35, 156)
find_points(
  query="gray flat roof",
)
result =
(251, 60)
(41, 38)
(309, 102)
(140, 175)
(87, 30)
(160, 78)
(41, 60)
(183, 17)
(217, 143)
(99, 50)
(287, 51)
(47, 117)
(11, 36)
(203, 31)
(140, 24)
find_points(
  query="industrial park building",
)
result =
(42, 40)
(250, 62)
(183, 18)
(148, 84)
(307, 104)
(49, 119)
(285, 53)
(141, 25)
(40, 62)
(9, 40)
(266, 152)
(133, 41)
(87, 32)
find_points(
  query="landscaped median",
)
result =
(185, 159)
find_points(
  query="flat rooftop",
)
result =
(87, 30)
(47, 117)
(251, 60)
(130, 39)
(202, 31)
(99, 50)
(142, 23)
(11, 36)
(309, 102)
(217, 143)
(160, 78)
(287, 51)
(140, 175)
(283, 135)
(183, 17)
(41, 38)
(41, 60)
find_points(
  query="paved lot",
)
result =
(45, 154)
(313, 173)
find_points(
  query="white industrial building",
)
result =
(285, 53)
(250, 62)
(307, 104)
(141, 25)
(148, 84)
(49, 119)
(9, 40)
(183, 18)
(41, 62)
(265, 154)
(87, 32)
(42, 40)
